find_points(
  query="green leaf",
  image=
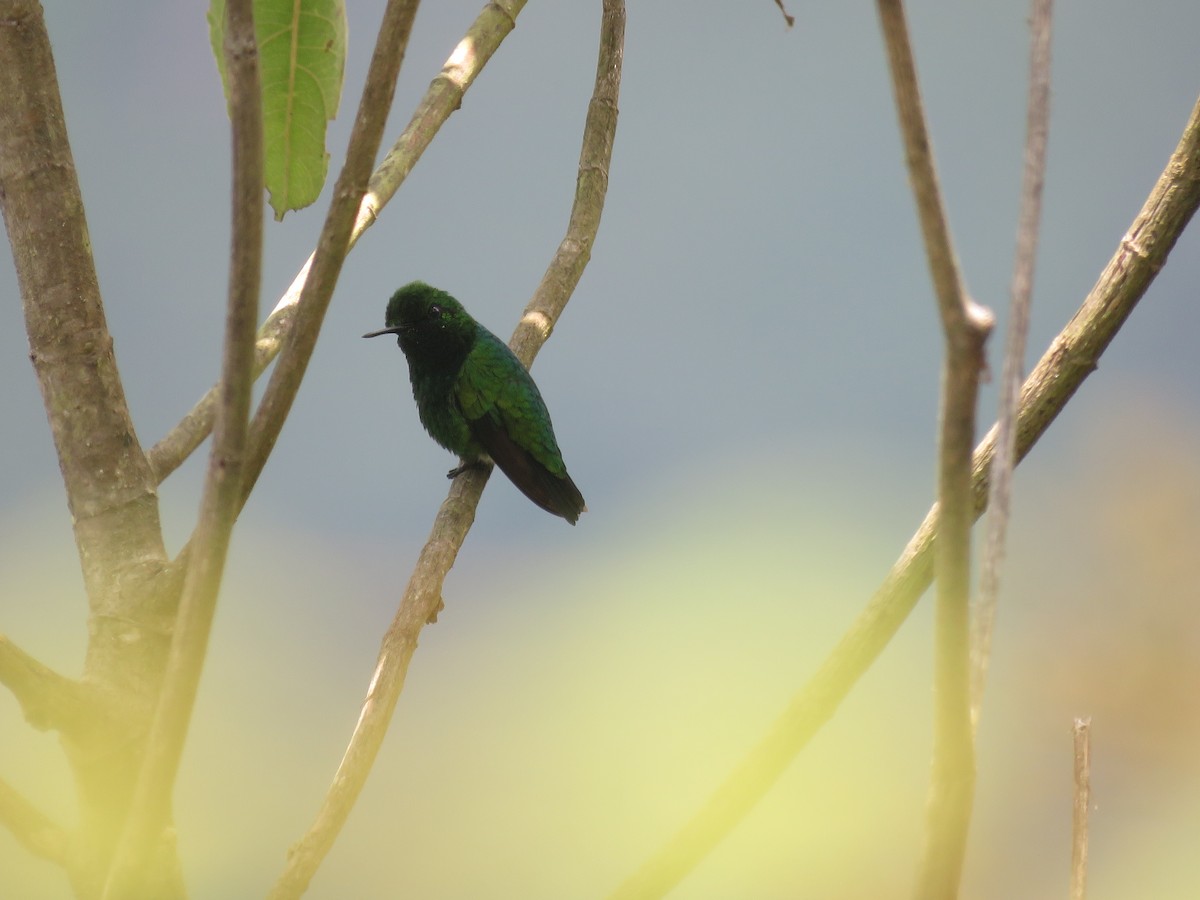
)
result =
(302, 58)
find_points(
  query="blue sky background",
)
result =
(744, 387)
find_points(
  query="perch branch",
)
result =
(966, 327)
(422, 596)
(1037, 126)
(150, 809)
(32, 828)
(1071, 357)
(444, 96)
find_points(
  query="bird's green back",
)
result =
(493, 383)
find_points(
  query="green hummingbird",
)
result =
(476, 399)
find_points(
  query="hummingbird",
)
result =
(476, 399)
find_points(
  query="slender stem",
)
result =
(1082, 739)
(954, 306)
(966, 327)
(952, 779)
(1037, 126)
(787, 17)
(443, 97)
(36, 832)
(1071, 357)
(150, 810)
(422, 597)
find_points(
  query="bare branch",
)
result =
(954, 306)
(1071, 357)
(110, 489)
(442, 98)
(37, 832)
(334, 243)
(150, 808)
(445, 94)
(966, 327)
(1036, 130)
(423, 595)
(1082, 740)
(422, 598)
(591, 185)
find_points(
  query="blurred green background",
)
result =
(744, 387)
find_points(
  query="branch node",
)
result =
(49, 701)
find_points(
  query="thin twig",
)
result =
(790, 19)
(591, 186)
(953, 305)
(422, 596)
(1036, 131)
(1071, 357)
(35, 830)
(150, 809)
(1082, 740)
(444, 96)
(966, 327)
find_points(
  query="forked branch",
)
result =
(335, 241)
(966, 327)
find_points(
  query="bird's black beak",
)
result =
(395, 330)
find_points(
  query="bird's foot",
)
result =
(466, 466)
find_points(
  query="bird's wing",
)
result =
(509, 420)
(502, 405)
